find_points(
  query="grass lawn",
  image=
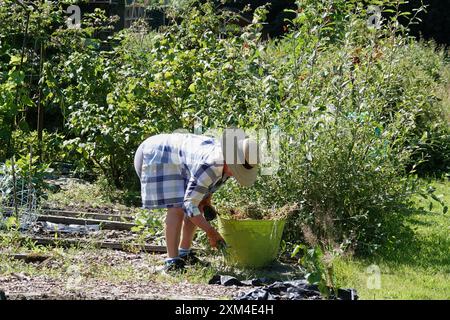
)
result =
(419, 268)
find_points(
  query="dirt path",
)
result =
(103, 274)
(44, 287)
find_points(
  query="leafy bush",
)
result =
(34, 42)
(352, 110)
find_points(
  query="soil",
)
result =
(80, 281)
(19, 287)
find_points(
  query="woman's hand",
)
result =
(214, 237)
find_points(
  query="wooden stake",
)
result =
(13, 168)
(99, 244)
(105, 225)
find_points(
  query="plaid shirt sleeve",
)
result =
(198, 187)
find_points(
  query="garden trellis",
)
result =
(18, 193)
(18, 198)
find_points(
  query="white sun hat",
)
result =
(241, 154)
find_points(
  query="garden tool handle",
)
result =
(209, 212)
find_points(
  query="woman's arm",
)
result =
(213, 236)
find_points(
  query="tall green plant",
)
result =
(347, 106)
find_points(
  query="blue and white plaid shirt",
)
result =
(179, 170)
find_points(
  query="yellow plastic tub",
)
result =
(251, 243)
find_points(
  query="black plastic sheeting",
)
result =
(281, 290)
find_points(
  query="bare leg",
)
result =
(188, 233)
(174, 221)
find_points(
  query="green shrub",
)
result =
(352, 110)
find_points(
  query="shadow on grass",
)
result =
(427, 249)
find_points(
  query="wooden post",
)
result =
(40, 117)
(30, 185)
(13, 168)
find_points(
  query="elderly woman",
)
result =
(180, 172)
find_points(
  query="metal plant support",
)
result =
(17, 196)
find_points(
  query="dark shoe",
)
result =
(191, 259)
(174, 266)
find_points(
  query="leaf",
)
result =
(16, 76)
(15, 60)
(23, 125)
(136, 228)
(435, 198)
(314, 278)
(297, 249)
(323, 289)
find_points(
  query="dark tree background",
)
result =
(435, 25)
(276, 16)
